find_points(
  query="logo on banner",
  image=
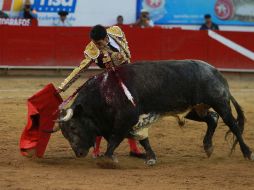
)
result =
(154, 3)
(224, 9)
(55, 5)
(156, 8)
(41, 5)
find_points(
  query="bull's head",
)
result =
(78, 129)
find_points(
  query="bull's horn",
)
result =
(68, 116)
(55, 129)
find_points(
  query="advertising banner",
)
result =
(81, 12)
(15, 22)
(223, 12)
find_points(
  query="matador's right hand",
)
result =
(59, 90)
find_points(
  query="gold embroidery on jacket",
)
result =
(123, 44)
(116, 31)
(92, 51)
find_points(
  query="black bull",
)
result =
(162, 87)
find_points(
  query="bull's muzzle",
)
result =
(81, 153)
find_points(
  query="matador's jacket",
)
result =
(106, 58)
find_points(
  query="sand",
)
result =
(182, 162)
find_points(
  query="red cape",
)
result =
(42, 113)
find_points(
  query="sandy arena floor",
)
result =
(182, 163)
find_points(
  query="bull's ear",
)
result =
(78, 110)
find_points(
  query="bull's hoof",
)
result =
(114, 159)
(151, 162)
(107, 162)
(97, 154)
(181, 123)
(250, 157)
(209, 151)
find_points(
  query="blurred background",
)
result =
(54, 33)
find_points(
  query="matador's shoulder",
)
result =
(92, 51)
(115, 31)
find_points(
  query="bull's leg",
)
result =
(119, 132)
(113, 143)
(150, 155)
(109, 161)
(224, 111)
(211, 118)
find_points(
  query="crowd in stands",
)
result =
(209, 25)
(143, 21)
(28, 12)
(62, 21)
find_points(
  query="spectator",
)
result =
(209, 25)
(28, 12)
(62, 21)
(119, 20)
(144, 21)
(3, 14)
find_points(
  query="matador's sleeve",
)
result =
(91, 54)
(75, 74)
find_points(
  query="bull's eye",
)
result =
(73, 128)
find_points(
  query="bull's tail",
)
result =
(240, 115)
(240, 121)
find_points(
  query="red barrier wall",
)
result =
(60, 46)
